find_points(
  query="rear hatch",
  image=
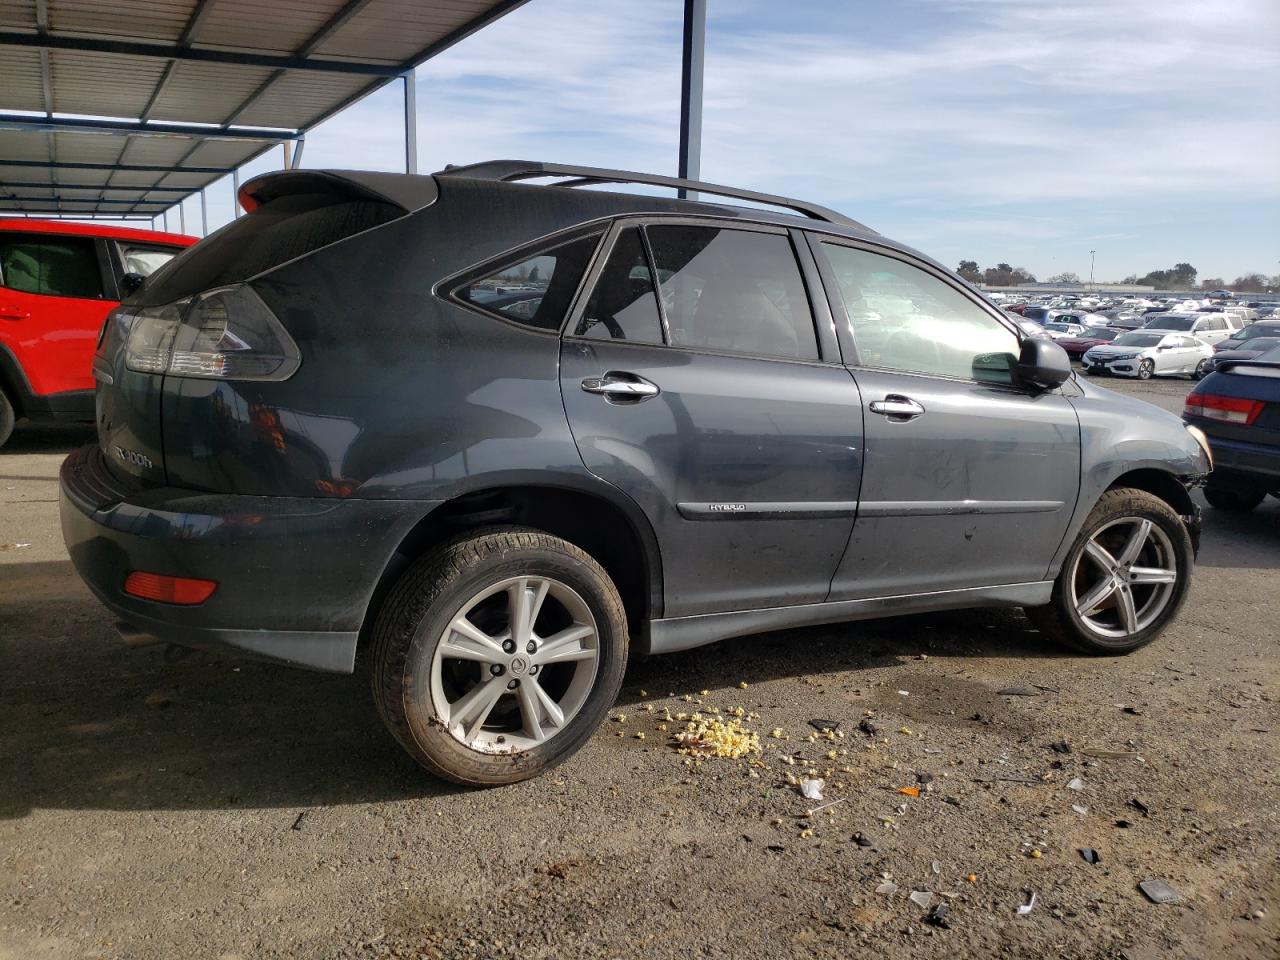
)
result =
(1240, 402)
(198, 317)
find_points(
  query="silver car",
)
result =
(1145, 354)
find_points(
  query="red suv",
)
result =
(58, 282)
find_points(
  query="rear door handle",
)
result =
(14, 313)
(897, 407)
(618, 386)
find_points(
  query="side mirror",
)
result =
(131, 282)
(1042, 364)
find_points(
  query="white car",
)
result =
(1145, 354)
(1210, 327)
(1060, 330)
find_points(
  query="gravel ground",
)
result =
(210, 808)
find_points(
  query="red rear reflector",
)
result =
(186, 591)
(1226, 409)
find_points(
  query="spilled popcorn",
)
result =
(713, 737)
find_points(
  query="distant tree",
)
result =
(533, 274)
(1250, 282)
(1131, 278)
(969, 270)
(1184, 275)
(1181, 277)
(1003, 275)
(1067, 277)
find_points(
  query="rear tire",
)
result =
(1202, 369)
(1124, 579)
(7, 418)
(1233, 501)
(459, 674)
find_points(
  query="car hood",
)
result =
(1111, 350)
(1237, 354)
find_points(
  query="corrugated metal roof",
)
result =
(254, 72)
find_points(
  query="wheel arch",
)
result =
(612, 529)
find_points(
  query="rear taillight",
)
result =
(223, 334)
(1226, 409)
(183, 591)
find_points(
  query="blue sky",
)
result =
(998, 130)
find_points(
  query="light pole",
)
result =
(1091, 259)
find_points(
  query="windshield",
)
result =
(1138, 340)
(1104, 334)
(1252, 333)
(1170, 322)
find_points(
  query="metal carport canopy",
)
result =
(122, 108)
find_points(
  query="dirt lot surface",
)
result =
(211, 808)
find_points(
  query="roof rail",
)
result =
(512, 170)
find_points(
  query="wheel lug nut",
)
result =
(496, 669)
(512, 684)
(509, 646)
(533, 670)
(530, 647)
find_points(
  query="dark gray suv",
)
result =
(500, 433)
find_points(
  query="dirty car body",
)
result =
(742, 420)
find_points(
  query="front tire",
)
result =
(1124, 579)
(1146, 369)
(498, 654)
(7, 419)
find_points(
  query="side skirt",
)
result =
(684, 633)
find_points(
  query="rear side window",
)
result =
(52, 266)
(145, 259)
(623, 305)
(733, 290)
(535, 289)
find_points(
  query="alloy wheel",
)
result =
(515, 664)
(1146, 369)
(1124, 577)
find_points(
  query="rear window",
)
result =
(50, 266)
(275, 233)
(1170, 322)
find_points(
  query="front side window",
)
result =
(52, 266)
(902, 318)
(733, 290)
(146, 260)
(623, 305)
(534, 290)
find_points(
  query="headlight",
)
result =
(1202, 440)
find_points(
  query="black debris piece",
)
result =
(938, 917)
(1060, 747)
(1090, 855)
(1019, 692)
(1141, 807)
(862, 840)
(869, 728)
(822, 726)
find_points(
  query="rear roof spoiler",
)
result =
(406, 191)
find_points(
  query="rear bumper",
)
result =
(1238, 463)
(295, 575)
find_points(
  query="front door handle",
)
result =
(8, 312)
(618, 386)
(897, 407)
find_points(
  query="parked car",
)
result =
(1092, 337)
(1059, 330)
(1148, 353)
(718, 420)
(1243, 350)
(1238, 408)
(1036, 312)
(1209, 327)
(1263, 328)
(58, 282)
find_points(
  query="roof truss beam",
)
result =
(122, 167)
(18, 121)
(244, 58)
(64, 185)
